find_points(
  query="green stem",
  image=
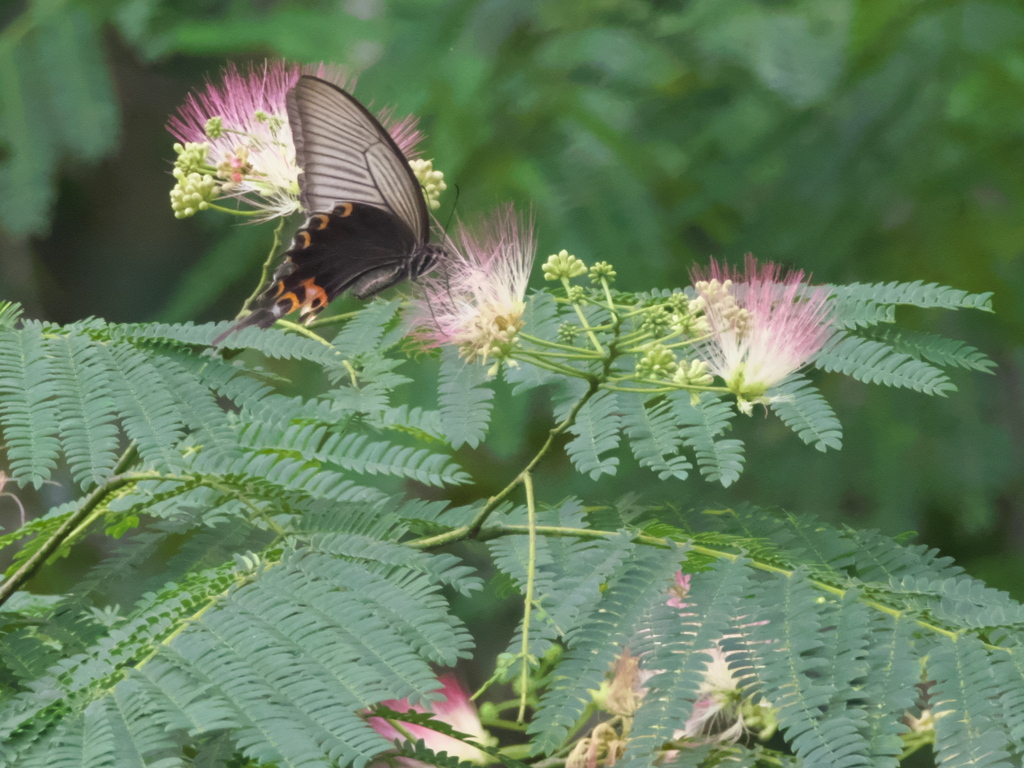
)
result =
(560, 355)
(565, 370)
(333, 320)
(497, 531)
(608, 298)
(304, 331)
(471, 530)
(556, 345)
(232, 211)
(63, 533)
(531, 567)
(265, 272)
(584, 323)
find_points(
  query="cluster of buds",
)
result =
(194, 189)
(192, 193)
(658, 362)
(431, 181)
(563, 266)
(686, 316)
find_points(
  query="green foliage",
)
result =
(465, 404)
(268, 563)
(297, 595)
(56, 99)
(803, 409)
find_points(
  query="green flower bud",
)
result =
(656, 320)
(576, 294)
(678, 302)
(192, 193)
(192, 157)
(214, 127)
(694, 372)
(567, 332)
(563, 265)
(657, 363)
(602, 270)
(432, 181)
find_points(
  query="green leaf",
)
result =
(465, 402)
(875, 363)
(597, 429)
(803, 409)
(718, 460)
(28, 415)
(969, 728)
(653, 435)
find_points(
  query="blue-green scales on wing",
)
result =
(368, 227)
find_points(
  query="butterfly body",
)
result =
(368, 227)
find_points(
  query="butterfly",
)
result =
(368, 227)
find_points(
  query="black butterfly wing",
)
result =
(346, 156)
(368, 228)
(356, 248)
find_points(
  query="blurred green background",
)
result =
(861, 140)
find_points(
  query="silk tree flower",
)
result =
(457, 711)
(717, 714)
(236, 141)
(721, 713)
(763, 325)
(476, 301)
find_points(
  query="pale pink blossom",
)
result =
(721, 713)
(242, 124)
(679, 590)
(717, 715)
(476, 300)
(456, 710)
(764, 325)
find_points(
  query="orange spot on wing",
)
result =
(280, 289)
(302, 235)
(318, 220)
(293, 302)
(314, 297)
(343, 209)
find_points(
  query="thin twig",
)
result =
(531, 567)
(96, 497)
(265, 273)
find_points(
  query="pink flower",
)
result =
(679, 590)
(236, 134)
(476, 301)
(457, 711)
(717, 714)
(764, 325)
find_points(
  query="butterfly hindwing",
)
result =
(336, 252)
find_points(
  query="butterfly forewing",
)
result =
(346, 156)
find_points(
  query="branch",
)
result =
(93, 500)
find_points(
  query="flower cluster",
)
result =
(763, 325)
(477, 299)
(431, 180)
(456, 710)
(721, 712)
(235, 142)
(748, 329)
